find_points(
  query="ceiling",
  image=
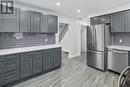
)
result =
(69, 7)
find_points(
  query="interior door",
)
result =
(96, 59)
(99, 37)
(90, 37)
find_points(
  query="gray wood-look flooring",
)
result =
(73, 73)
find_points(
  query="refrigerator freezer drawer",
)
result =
(96, 59)
(117, 60)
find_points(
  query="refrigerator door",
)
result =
(95, 59)
(90, 37)
(99, 37)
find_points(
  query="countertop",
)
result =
(27, 49)
(126, 48)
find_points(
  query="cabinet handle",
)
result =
(10, 66)
(13, 76)
(9, 57)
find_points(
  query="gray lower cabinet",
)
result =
(18, 66)
(117, 22)
(8, 77)
(25, 21)
(26, 65)
(10, 23)
(35, 21)
(57, 57)
(9, 68)
(37, 62)
(52, 23)
(48, 59)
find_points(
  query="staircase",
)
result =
(63, 28)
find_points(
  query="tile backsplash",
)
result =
(7, 40)
(122, 39)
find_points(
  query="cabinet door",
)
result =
(10, 23)
(37, 62)
(24, 21)
(127, 21)
(48, 59)
(57, 57)
(44, 27)
(52, 23)
(104, 19)
(35, 21)
(26, 65)
(94, 21)
(117, 22)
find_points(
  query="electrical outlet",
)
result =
(120, 41)
(46, 40)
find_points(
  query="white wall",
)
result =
(83, 38)
(116, 9)
(71, 41)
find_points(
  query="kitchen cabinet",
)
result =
(117, 22)
(18, 66)
(127, 21)
(117, 60)
(26, 65)
(9, 68)
(57, 57)
(44, 24)
(31, 63)
(94, 20)
(48, 59)
(35, 21)
(104, 19)
(37, 62)
(52, 23)
(25, 21)
(10, 23)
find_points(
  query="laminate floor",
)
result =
(73, 73)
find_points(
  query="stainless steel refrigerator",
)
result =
(98, 37)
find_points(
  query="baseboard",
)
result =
(73, 56)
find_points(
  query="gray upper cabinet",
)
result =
(24, 21)
(104, 19)
(10, 23)
(127, 21)
(94, 20)
(37, 62)
(57, 57)
(44, 24)
(52, 23)
(117, 22)
(35, 21)
(48, 59)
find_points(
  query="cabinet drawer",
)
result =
(36, 53)
(9, 57)
(7, 66)
(9, 77)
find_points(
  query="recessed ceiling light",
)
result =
(58, 3)
(78, 11)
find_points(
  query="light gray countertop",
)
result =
(126, 48)
(27, 49)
